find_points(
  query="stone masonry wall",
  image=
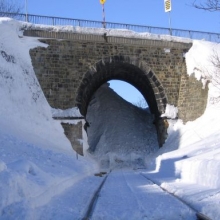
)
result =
(192, 98)
(61, 66)
(74, 133)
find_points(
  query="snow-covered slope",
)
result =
(35, 155)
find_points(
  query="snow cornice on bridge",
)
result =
(151, 41)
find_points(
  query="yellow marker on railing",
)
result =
(168, 7)
(102, 2)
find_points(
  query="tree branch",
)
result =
(9, 6)
(209, 5)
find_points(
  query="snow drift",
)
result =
(119, 133)
(35, 155)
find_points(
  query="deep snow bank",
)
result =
(188, 164)
(23, 104)
(198, 142)
(36, 159)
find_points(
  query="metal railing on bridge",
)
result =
(47, 20)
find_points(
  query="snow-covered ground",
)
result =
(41, 178)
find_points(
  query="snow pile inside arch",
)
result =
(36, 159)
(119, 134)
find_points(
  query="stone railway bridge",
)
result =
(75, 65)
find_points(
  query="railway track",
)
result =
(199, 215)
(123, 190)
(94, 199)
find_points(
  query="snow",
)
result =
(71, 112)
(120, 142)
(101, 31)
(144, 197)
(202, 66)
(188, 165)
(170, 112)
(41, 177)
(36, 159)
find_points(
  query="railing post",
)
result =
(26, 11)
(170, 30)
(190, 36)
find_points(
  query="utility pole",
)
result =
(26, 11)
(167, 5)
(103, 12)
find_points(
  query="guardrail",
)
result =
(47, 20)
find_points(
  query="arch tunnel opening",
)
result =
(128, 93)
(94, 97)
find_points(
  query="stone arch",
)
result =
(128, 69)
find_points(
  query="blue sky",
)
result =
(143, 12)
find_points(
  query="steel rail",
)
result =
(199, 215)
(90, 209)
(92, 204)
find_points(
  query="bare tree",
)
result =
(141, 103)
(215, 77)
(9, 8)
(212, 72)
(208, 5)
(212, 76)
(215, 60)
